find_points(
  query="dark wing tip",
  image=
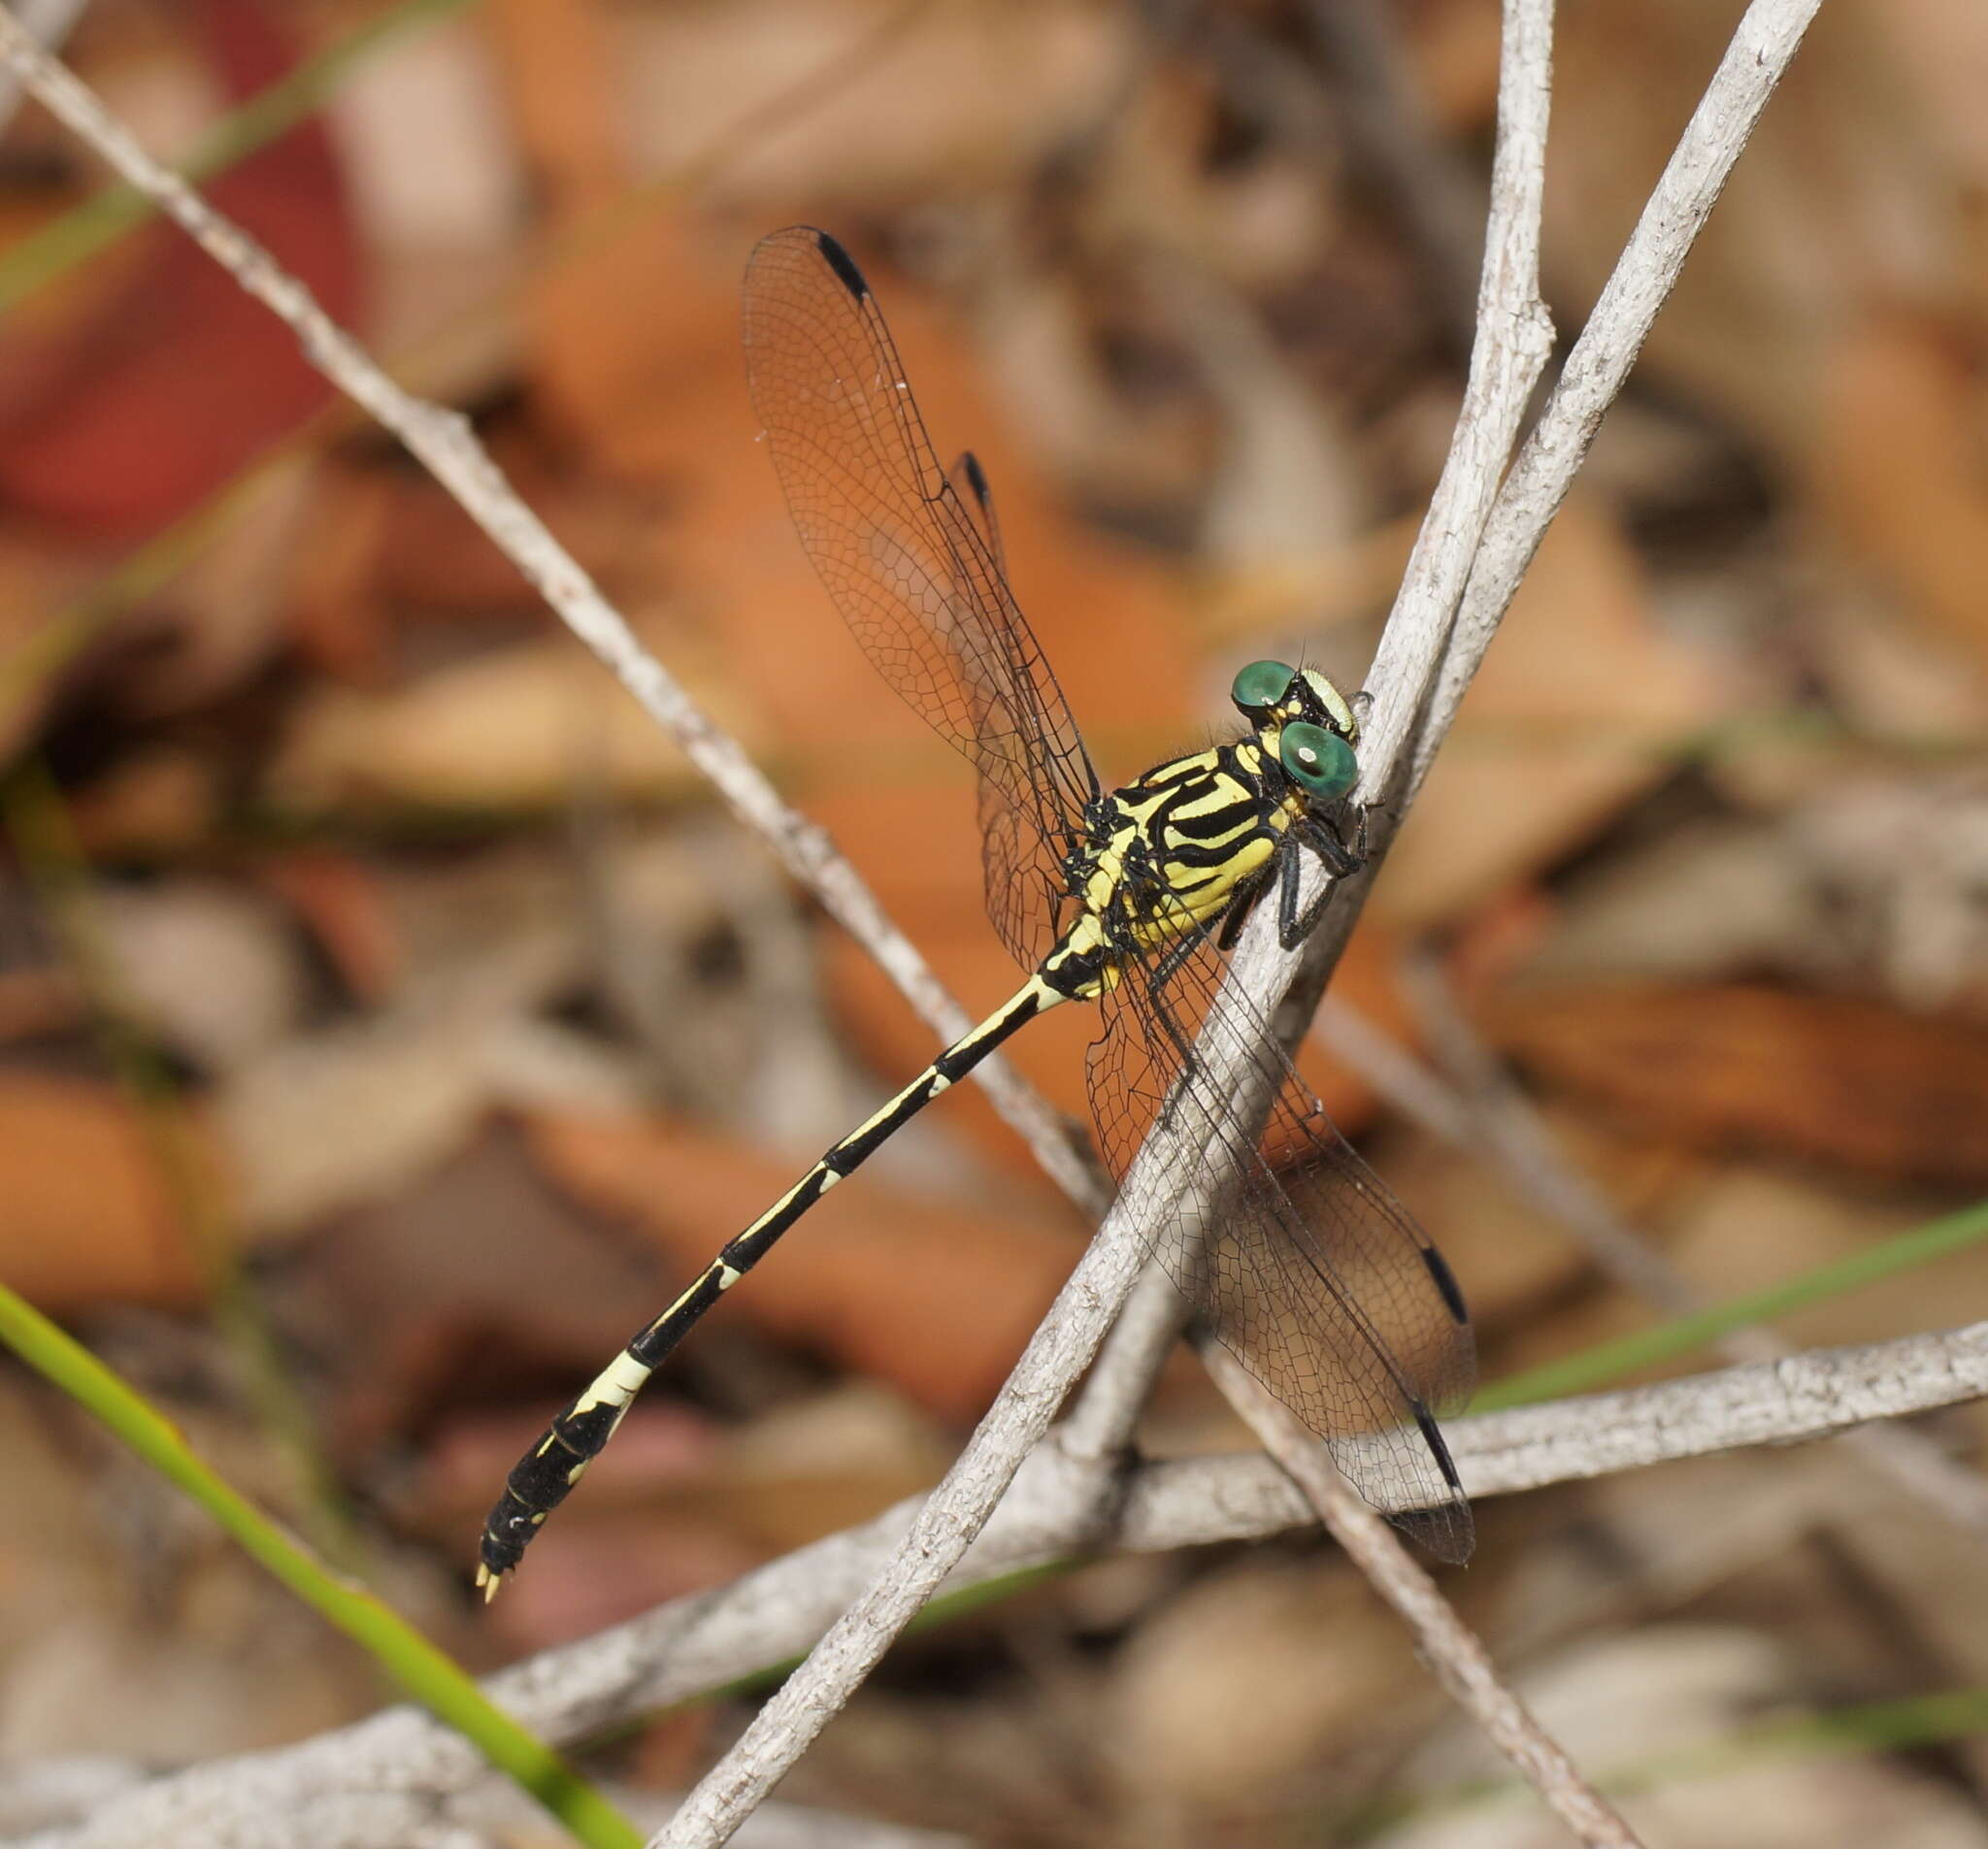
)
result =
(1445, 1282)
(1447, 1531)
(1431, 1434)
(976, 478)
(843, 265)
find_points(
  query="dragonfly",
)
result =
(1301, 1261)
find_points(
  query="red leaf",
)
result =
(142, 406)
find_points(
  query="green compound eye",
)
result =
(1262, 684)
(1319, 761)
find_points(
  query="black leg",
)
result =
(1238, 915)
(1163, 970)
(1293, 925)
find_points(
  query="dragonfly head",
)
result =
(1304, 724)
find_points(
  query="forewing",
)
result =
(912, 569)
(1306, 1267)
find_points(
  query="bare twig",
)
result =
(1453, 594)
(49, 22)
(1512, 339)
(1506, 362)
(1763, 46)
(1456, 1655)
(354, 1788)
(444, 440)
(1515, 339)
(1505, 1125)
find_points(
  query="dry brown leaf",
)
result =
(558, 65)
(1246, 1678)
(206, 967)
(90, 1218)
(933, 1298)
(155, 802)
(510, 729)
(344, 1117)
(342, 901)
(336, 617)
(1826, 1078)
(1565, 723)
(1898, 470)
(979, 94)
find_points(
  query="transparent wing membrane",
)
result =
(1303, 1263)
(914, 569)
(1308, 1269)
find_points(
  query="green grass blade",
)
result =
(426, 1672)
(102, 219)
(1611, 1360)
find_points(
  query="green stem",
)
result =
(102, 219)
(416, 1665)
(1648, 1348)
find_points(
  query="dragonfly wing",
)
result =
(1306, 1267)
(913, 570)
(969, 483)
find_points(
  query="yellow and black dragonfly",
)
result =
(1305, 1266)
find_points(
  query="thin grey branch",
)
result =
(320, 1794)
(1762, 47)
(1454, 1651)
(444, 440)
(1512, 346)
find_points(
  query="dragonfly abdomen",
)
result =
(546, 1475)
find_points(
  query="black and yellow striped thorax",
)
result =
(1178, 845)
(1177, 848)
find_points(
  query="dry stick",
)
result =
(49, 23)
(1510, 1129)
(1457, 1657)
(1513, 341)
(1403, 733)
(1763, 45)
(444, 440)
(380, 1778)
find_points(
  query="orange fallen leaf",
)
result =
(1898, 470)
(934, 1298)
(1828, 1078)
(89, 1219)
(1562, 728)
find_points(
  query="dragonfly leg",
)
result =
(1296, 923)
(1169, 966)
(1156, 980)
(1238, 915)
